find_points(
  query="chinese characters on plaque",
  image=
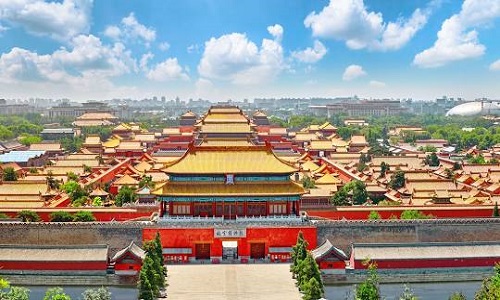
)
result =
(230, 233)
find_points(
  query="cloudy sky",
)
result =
(220, 49)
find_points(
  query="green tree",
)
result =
(146, 181)
(72, 176)
(97, 201)
(308, 183)
(9, 174)
(74, 190)
(61, 216)
(490, 288)
(384, 167)
(4, 216)
(457, 296)
(397, 180)
(369, 289)
(159, 249)
(29, 139)
(28, 216)
(496, 214)
(154, 278)
(101, 293)
(341, 198)
(414, 214)
(72, 145)
(374, 215)
(309, 269)
(144, 286)
(83, 216)
(56, 293)
(16, 293)
(299, 253)
(478, 159)
(359, 193)
(432, 160)
(126, 194)
(457, 166)
(51, 181)
(312, 290)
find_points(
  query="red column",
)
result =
(191, 210)
(162, 208)
(267, 208)
(297, 208)
(245, 208)
(170, 208)
(288, 207)
(213, 209)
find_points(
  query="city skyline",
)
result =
(217, 50)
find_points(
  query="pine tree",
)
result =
(309, 269)
(313, 290)
(496, 214)
(145, 288)
(299, 253)
(153, 277)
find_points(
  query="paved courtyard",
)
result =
(228, 282)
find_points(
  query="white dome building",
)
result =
(475, 109)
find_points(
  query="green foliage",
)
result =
(427, 148)
(361, 167)
(496, 214)
(301, 121)
(388, 203)
(83, 216)
(457, 296)
(312, 290)
(4, 216)
(87, 169)
(72, 145)
(97, 201)
(384, 167)
(126, 194)
(16, 293)
(299, 252)
(61, 216)
(478, 159)
(74, 190)
(308, 269)
(72, 176)
(144, 286)
(397, 180)
(490, 288)
(457, 166)
(101, 293)
(308, 182)
(407, 294)
(340, 198)
(56, 293)
(277, 121)
(369, 289)
(104, 132)
(28, 216)
(51, 181)
(159, 249)
(414, 214)
(30, 139)
(9, 174)
(146, 181)
(33, 170)
(432, 160)
(374, 215)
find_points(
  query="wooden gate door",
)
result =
(202, 251)
(257, 250)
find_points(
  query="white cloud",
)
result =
(58, 20)
(143, 63)
(458, 38)
(88, 58)
(276, 31)
(113, 32)
(167, 70)
(194, 48)
(377, 84)
(495, 66)
(131, 30)
(353, 72)
(236, 59)
(164, 46)
(350, 21)
(311, 55)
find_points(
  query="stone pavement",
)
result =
(228, 282)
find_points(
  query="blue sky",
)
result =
(221, 49)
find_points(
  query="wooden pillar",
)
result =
(245, 208)
(288, 204)
(191, 209)
(162, 208)
(214, 206)
(297, 208)
(267, 208)
(170, 208)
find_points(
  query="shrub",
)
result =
(61, 216)
(83, 216)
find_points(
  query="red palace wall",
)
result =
(430, 263)
(101, 215)
(271, 236)
(331, 265)
(45, 265)
(361, 213)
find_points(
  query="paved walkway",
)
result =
(228, 282)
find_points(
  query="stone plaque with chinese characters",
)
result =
(230, 233)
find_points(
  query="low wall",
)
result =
(343, 233)
(116, 235)
(101, 214)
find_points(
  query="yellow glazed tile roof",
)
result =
(229, 160)
(126, 180)
(111, 143)
(328, 179)
(222, 189)
(226, 128)
(321, 145)
(309, 166)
